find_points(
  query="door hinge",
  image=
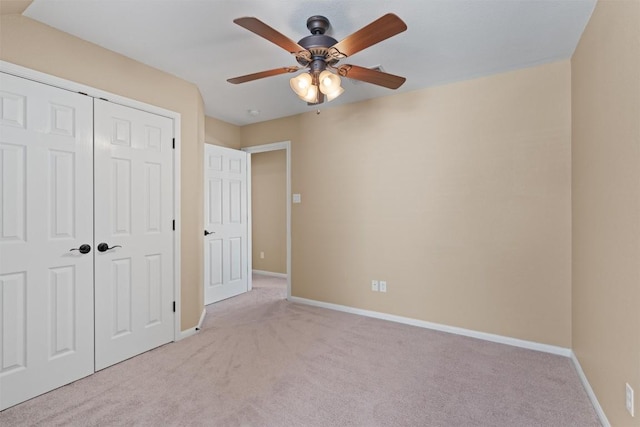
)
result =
(174, 306)
(174, 144)
(173, 225)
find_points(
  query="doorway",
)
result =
(267, 148)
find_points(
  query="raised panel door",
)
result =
(46, 211)
(134, 279)
(225, 246)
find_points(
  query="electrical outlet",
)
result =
(261, 255)
(629, 399)
(374, 285)
(383, 286)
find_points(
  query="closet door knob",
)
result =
(206, 232)
(103, 247)
(83, 249)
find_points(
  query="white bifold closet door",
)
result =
(86, 254)
(46, 288)
(133, 216)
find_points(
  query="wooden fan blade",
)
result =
(371, 76)
(263, 30)
(263, 74)
(381, 29)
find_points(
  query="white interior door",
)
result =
(46, 211)
(226, 272)
(133, 217)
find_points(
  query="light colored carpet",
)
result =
(262, 361)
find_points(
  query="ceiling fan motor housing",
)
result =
(317, 44)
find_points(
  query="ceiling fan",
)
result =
(320, 53)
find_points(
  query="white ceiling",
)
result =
(446, 41)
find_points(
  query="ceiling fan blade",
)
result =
(381, 29)
(368, 75)
(263, 74)
(263, 30)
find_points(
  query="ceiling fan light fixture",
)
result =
(329, 82)
(301, 84)
(333, 95)
(311, 95)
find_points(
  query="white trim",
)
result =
(69, 85)
(288, 151)
(284, 145)
(177, 251)
(72, 86)
(587, 387)
(202, 316)
(270, 273)
(275, 146)
(515, 342)
(192, 331)
(249, 225)
(187, 333)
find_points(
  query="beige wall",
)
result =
(31, 44)
(606, 205)
(458, 196)
(284, 129)
(13, 6)
(269, 215)
(221, 133)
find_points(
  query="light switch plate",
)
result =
(297, 198)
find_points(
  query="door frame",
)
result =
(40, 77)
(283, 145)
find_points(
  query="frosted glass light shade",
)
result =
(328, 82)
(311, 95)
(301, 84)
(333, 95)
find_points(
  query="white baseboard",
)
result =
(192, 331)
(531, 345)
(270, 273)
(187, 333)
(590, 392)
(202, 316)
